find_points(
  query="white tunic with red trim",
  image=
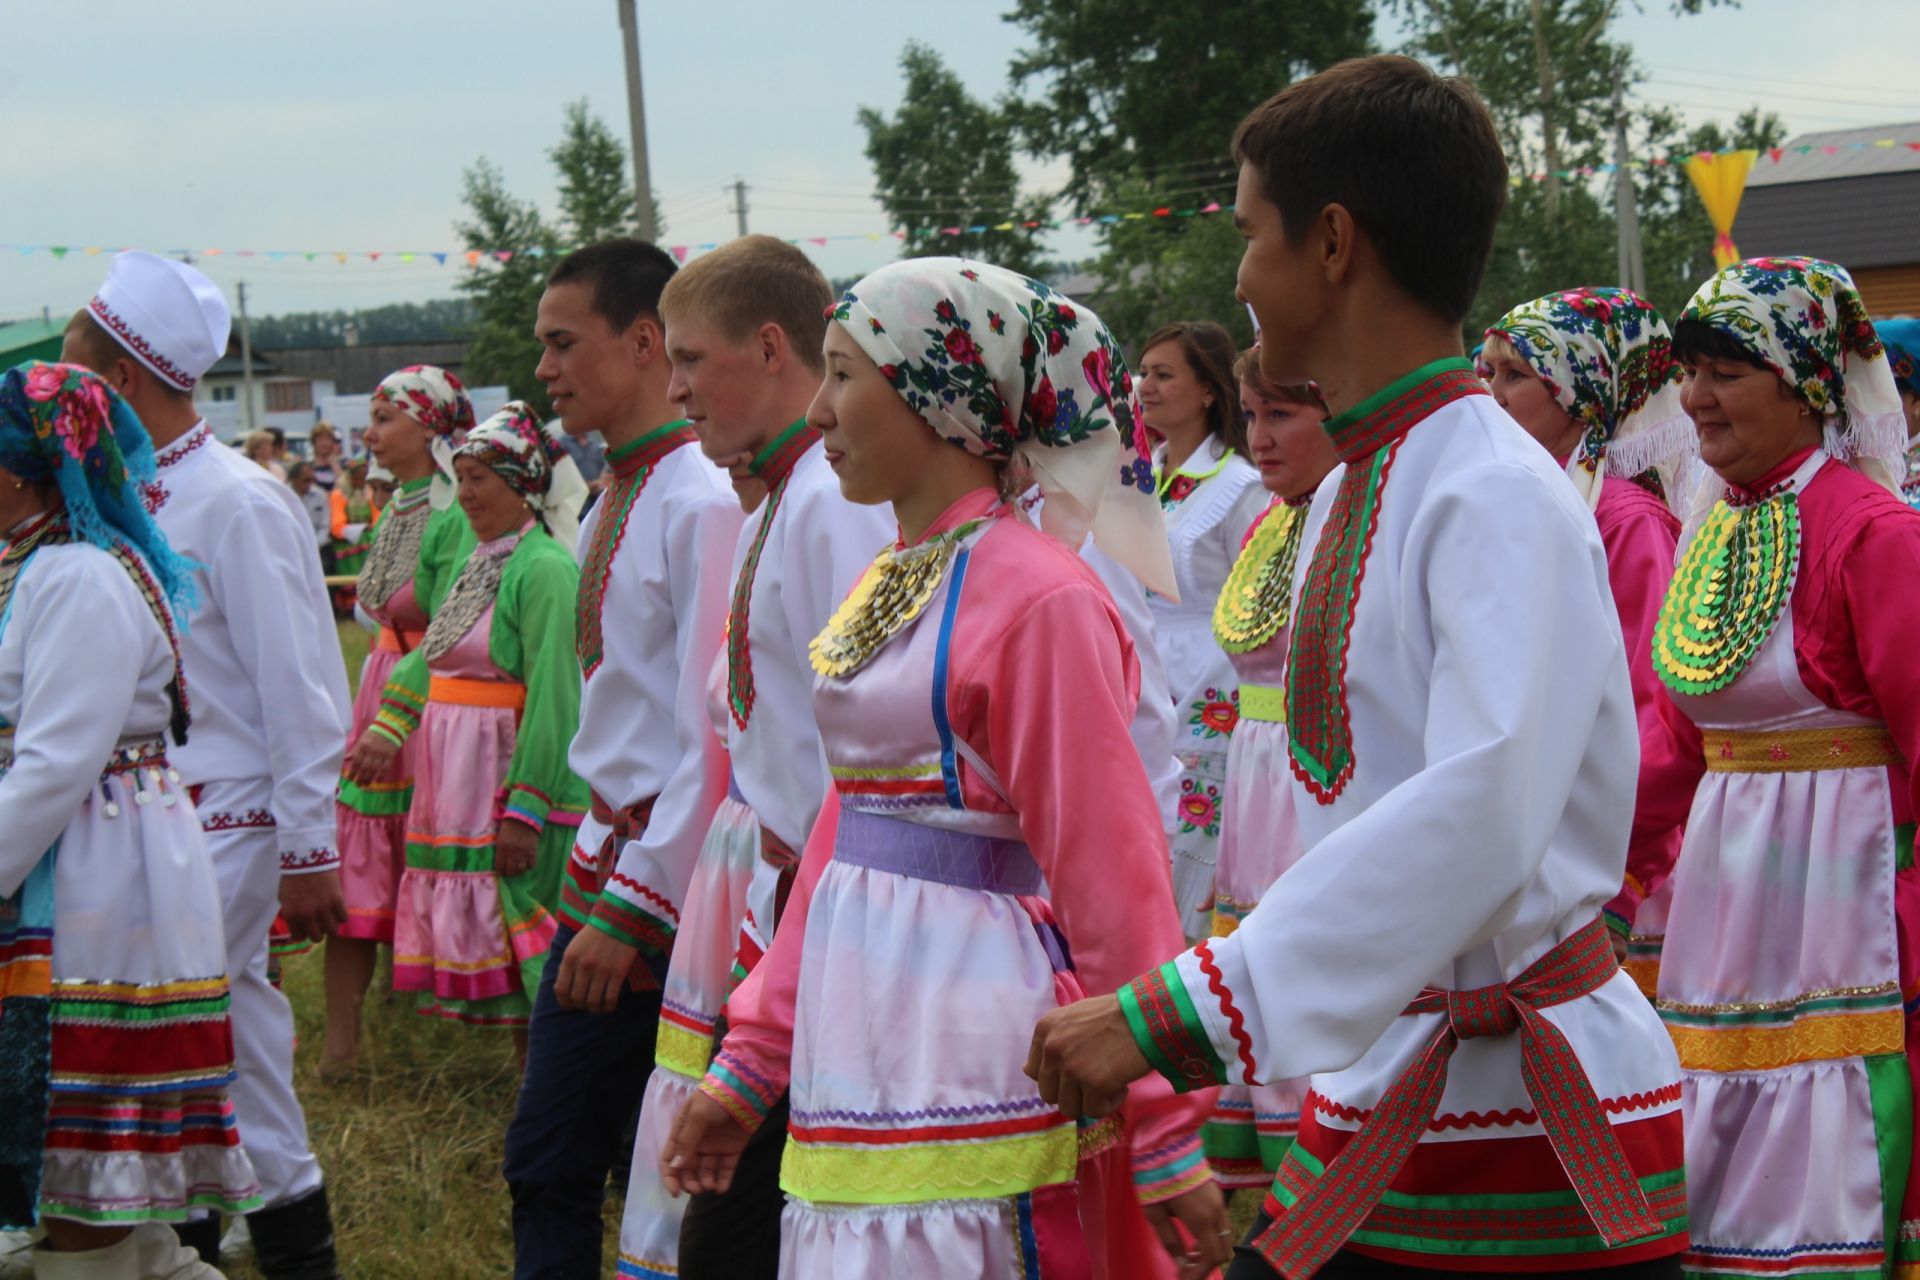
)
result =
(1485, 821)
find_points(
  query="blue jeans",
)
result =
(585, 1075)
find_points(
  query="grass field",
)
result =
(411, 1142)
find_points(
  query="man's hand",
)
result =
(370, 758)
(1619, 942)
(516, 846)
(1203, 1212)
(703, 1150)
(593, 971)
(313, 904)
(1083, 1057)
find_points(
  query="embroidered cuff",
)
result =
(1619, 914)
(527, 804)
(400, 712)
(1170, 1170)
(634, 914)
(1169, 1031)
(579, 889)
(745, 1093)
(301, 862)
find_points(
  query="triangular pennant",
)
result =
(243, 253)
(821, 240)
(276, 254)
(680, 253)
(1132, 216)
(1913, 146)
(57, 250)
(504, 255)
(210, 253)
(1030, 225)
(874, 236)
(26, 249)
(311, 256)
(1163, 213)
(93, 250)
(1773, 154)
(1883, 142)
(536, 252)
(373, 257)
(440, 258)
(406, 257)
(1211, 206)
(340, 258)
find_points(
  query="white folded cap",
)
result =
(167, 315)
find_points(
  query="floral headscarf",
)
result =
(1010, 370)
(1901, 337)
(437, 401)
(535, 465)
(1606, 357)
(1804, 320)
(62, 423)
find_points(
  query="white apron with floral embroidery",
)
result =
(1205, 524)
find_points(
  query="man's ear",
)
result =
(646, 341)
(1337, 242)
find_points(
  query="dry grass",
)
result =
(411, 1142)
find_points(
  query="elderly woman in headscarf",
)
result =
(117, 1052)
(1901, 335)
(1589, 374)
(494, 803)
(995, 839)
(417, 417)
(1785, 944)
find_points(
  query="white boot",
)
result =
(115, 1262)
(163, 1257)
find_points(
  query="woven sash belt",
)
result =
(1332, 1208)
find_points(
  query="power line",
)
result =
(1783, 93)
(1715, 73)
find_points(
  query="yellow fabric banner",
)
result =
(1721, 179)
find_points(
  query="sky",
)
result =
(238, 125)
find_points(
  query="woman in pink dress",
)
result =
(1589, 373)
(1787, 971)
(418, 415)
(494, 803)
(994, 848)
(1253, 1125)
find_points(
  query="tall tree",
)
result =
(945, 159)
(1546, 69)
(1140, 99)
(517, 244)
(505, 289)
(1147, 89)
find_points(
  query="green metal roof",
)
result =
(30, 340)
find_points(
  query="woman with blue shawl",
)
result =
(115, 1049)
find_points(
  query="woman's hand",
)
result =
(515, 847)
(703, 1150)
(1203, 1212)
(371, 757)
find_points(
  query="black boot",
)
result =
(202, 1235)
(294, 1241)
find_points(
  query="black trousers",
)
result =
(1348, 1265)
(735, 1234)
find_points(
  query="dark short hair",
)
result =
(1209, 351)
(626, 277)
(1412, 155)
(1695, 340)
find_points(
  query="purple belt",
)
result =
(958, 858)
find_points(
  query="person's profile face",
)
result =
(716, 383)
(592, 374)
(1274, 278)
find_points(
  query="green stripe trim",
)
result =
(1230, 1141)
(1142, 1037)
(106, 1012)
(375, 804)
(1890, 1091)
(1519, 1200)
(426, 857)
(620, 919)
(1881, 1002)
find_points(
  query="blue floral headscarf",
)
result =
(1008, 369)
(1606, 357)
(1901, 337)
(63, 424)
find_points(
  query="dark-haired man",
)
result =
(1464, 746)
(655, 552)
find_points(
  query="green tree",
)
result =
(1140, 98)
(1130, 90)
(945, 159)
(1547, 69)
(432, 321)
(517, 244)
(1676, 235)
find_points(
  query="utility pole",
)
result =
(246, 358)
(637, 119)
(1633, 268)
(740, 204)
